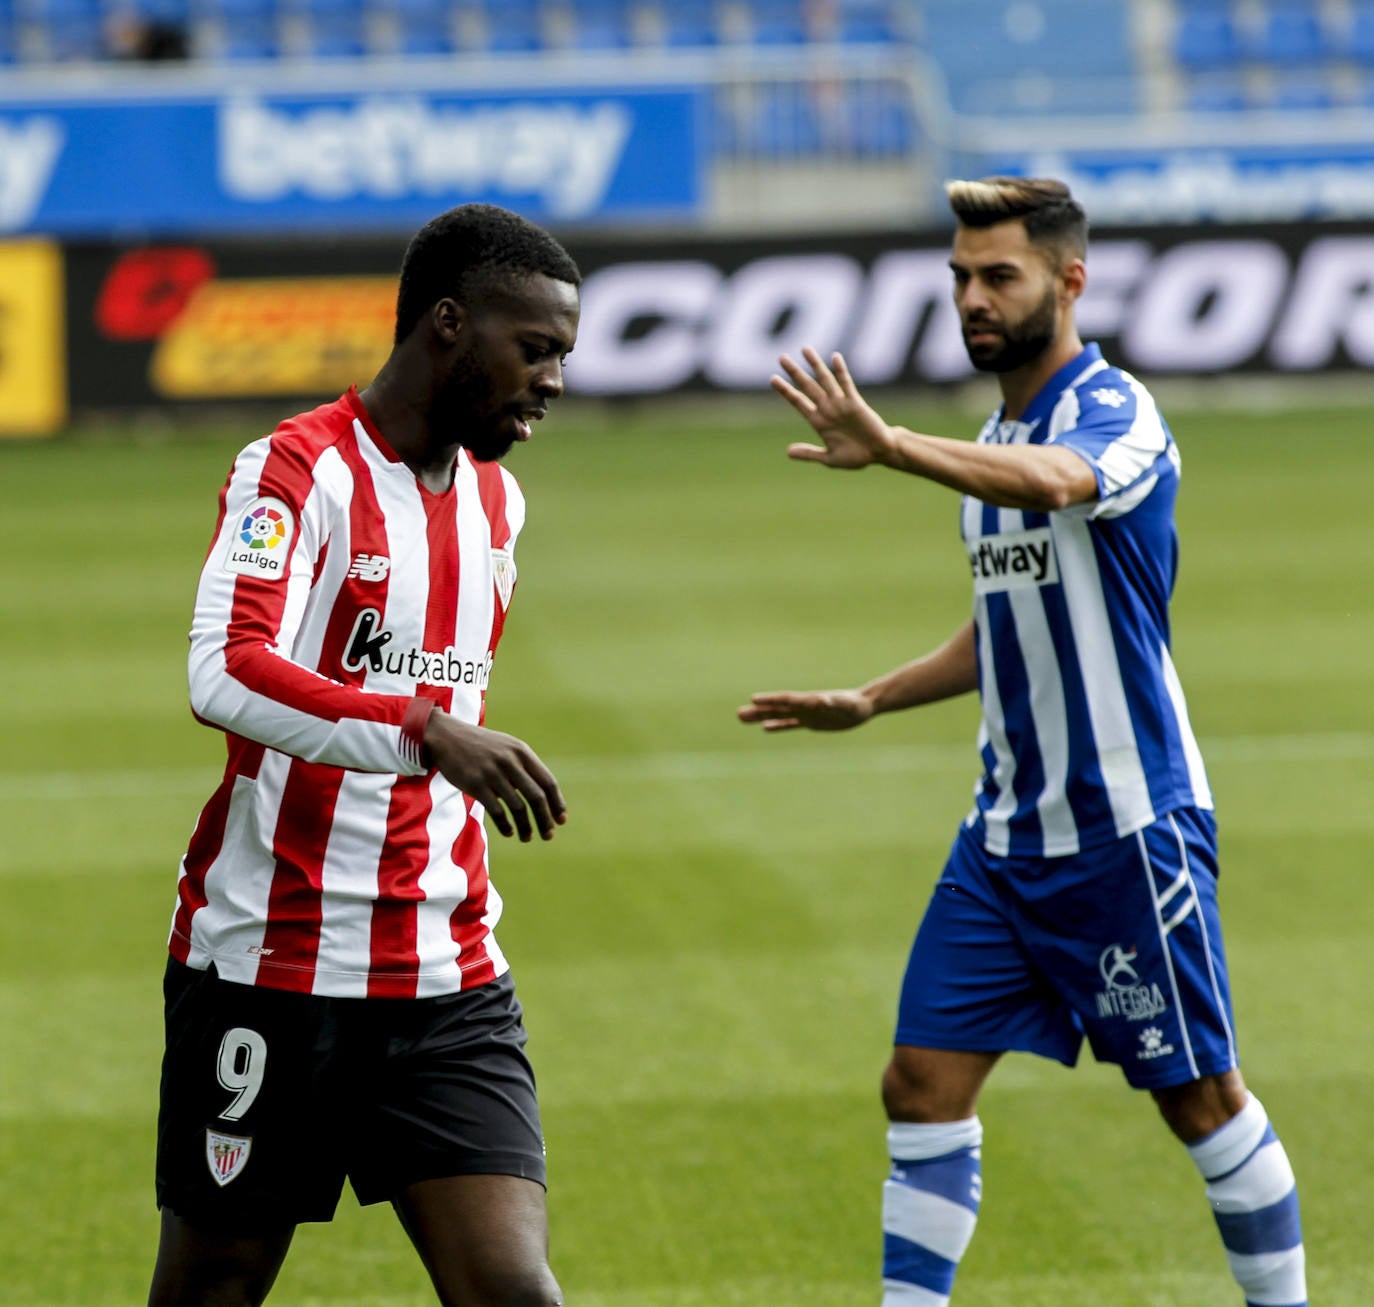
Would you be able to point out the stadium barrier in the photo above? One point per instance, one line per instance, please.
(208, 322)
(33, 356)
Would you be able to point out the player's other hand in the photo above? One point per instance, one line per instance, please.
(817, 710)
(852, 434)
(502, 773)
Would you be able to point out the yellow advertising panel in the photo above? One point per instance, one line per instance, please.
(276, 336)
(33, 366)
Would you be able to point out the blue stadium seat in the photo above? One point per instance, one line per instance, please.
(338, 35)
(881, 122)
(248, 29)
(784, 124)
(601, 25)
(422, 27)
(867, 22)
(1290, 36)
(1080, 52)
(71, 29)
(866, 29)
(75, 39)
(1206, 39)
(777, 22)
(723, 127)
(162, 11)
(1302, 94)
(228, 9)
(513, 26)
(689, 24)
(1216, 94)
(58, 11)
(1359, 41)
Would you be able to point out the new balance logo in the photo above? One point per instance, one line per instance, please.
(369, 567)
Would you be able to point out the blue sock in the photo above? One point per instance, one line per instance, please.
(1255, 1201)
(930, 1206)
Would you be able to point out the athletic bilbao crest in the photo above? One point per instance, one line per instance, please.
(503, 569)
(226, 1154)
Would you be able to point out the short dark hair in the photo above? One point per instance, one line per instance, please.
(469, 252)
(1049, 212)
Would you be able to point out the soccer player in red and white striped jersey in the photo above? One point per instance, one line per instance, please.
(337, 1004)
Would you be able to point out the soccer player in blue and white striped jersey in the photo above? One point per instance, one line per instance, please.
(1080, 895)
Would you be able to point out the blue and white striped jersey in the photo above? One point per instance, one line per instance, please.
(1085, 735)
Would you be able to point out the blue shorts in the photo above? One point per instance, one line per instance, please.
(1121, 942)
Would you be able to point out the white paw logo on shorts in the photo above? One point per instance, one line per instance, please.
(1152, 1044)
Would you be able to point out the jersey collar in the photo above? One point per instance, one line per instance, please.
(1048, 395)
(360, 412)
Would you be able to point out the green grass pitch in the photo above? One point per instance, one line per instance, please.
(709, 952)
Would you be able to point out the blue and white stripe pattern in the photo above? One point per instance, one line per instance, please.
(1085, 735)
(1255, 1201)
(930, 1206)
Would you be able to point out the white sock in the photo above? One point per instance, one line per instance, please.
(1255, 1201)
(930, 1206)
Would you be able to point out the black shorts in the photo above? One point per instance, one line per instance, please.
(270, 1099)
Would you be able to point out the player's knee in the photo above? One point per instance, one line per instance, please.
(1194, 1110)
(909, 1092)
(923, 1086)
(516, 1286)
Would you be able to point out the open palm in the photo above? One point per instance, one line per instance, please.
(852, 434)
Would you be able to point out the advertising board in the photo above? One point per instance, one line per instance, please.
(262, 161)
(33, 383)
(238, 320)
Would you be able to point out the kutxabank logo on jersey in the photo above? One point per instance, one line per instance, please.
(261, 540)
(1126, 995)
(1013, 560)
(369, 651)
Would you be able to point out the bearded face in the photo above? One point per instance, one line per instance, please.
(1005, 344)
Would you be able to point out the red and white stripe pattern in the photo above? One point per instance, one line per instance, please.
(330, 860)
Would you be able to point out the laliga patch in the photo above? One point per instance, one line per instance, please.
(260, 540)
(226, 1155)
(1013, 560)
(503, 571)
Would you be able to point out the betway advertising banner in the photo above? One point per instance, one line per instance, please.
(262, 162)
(209, 322)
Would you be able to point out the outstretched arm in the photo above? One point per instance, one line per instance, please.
(1042, 478)
(950, 670)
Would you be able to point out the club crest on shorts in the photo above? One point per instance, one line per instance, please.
(503, 572)
(226, 1155)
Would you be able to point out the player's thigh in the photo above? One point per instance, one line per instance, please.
(1145, 963)
(970, 984)
(248, 1122)
(197, 1266)
(483, 1238)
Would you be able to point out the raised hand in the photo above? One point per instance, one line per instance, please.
(852, 434)
(816, 710)
(502, 773)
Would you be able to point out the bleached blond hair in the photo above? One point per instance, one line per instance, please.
(1052, 217)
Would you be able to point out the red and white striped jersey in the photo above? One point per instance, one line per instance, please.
(337, 597)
